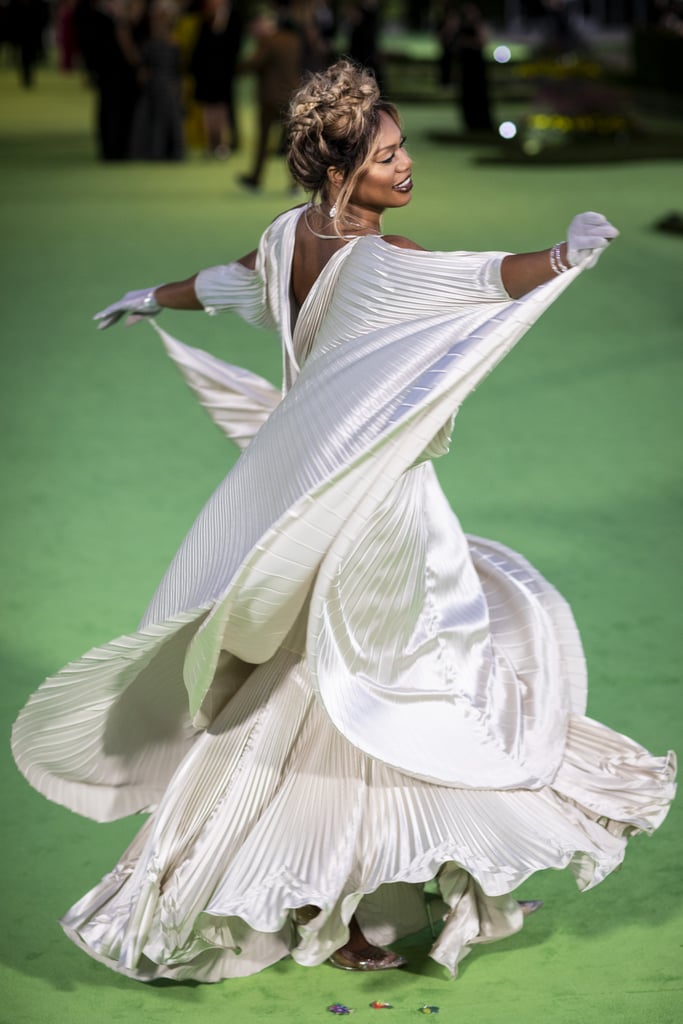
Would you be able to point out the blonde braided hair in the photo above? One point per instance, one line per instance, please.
(333, 121)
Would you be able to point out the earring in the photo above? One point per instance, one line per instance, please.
(333, 211)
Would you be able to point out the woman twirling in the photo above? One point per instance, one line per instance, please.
(335, 695)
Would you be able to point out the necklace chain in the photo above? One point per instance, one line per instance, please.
(338, 235)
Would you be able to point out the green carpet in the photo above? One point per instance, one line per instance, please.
(568, 453)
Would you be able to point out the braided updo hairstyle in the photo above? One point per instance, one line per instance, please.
(333, 121)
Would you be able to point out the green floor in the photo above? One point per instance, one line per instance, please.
(568, 453)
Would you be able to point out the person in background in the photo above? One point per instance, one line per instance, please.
(213, 65)
(27, 21)
(157, 132)
(447, 23)
(277, 64)
(470, 36)
(315, 23)
(186, 34)
(65, 34)
(105, 37)
(364, 20)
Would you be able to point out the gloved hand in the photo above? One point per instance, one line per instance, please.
(587, 235)
(135, 305)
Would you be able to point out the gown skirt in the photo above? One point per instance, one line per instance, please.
(337, 696)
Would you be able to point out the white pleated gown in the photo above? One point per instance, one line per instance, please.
(335, 695)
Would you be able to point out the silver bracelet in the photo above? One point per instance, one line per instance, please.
(557, 264)
(149, 305)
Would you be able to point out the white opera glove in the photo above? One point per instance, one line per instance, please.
(587, 236)
(134, 305)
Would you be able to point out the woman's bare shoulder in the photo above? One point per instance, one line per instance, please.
(403, 243)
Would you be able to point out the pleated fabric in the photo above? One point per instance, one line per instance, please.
(335, 694)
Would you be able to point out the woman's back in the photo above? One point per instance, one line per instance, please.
(312, 251)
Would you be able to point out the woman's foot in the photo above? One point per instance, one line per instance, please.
(304, 915)
(360, 955)
(530, 906)
(371, 958)
(250, 182)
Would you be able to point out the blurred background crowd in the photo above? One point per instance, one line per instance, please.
(163, 72)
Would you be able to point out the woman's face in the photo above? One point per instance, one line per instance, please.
(386, 183)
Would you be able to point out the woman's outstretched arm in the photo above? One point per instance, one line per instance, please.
(150, 301)
(587, 236)
(177, 295)
(524, 271)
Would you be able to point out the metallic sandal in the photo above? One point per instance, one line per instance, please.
(372, 958)
(530, 906)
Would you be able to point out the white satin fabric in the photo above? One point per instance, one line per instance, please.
(335, 695)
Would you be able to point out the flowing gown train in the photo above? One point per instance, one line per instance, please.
(336, 695)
